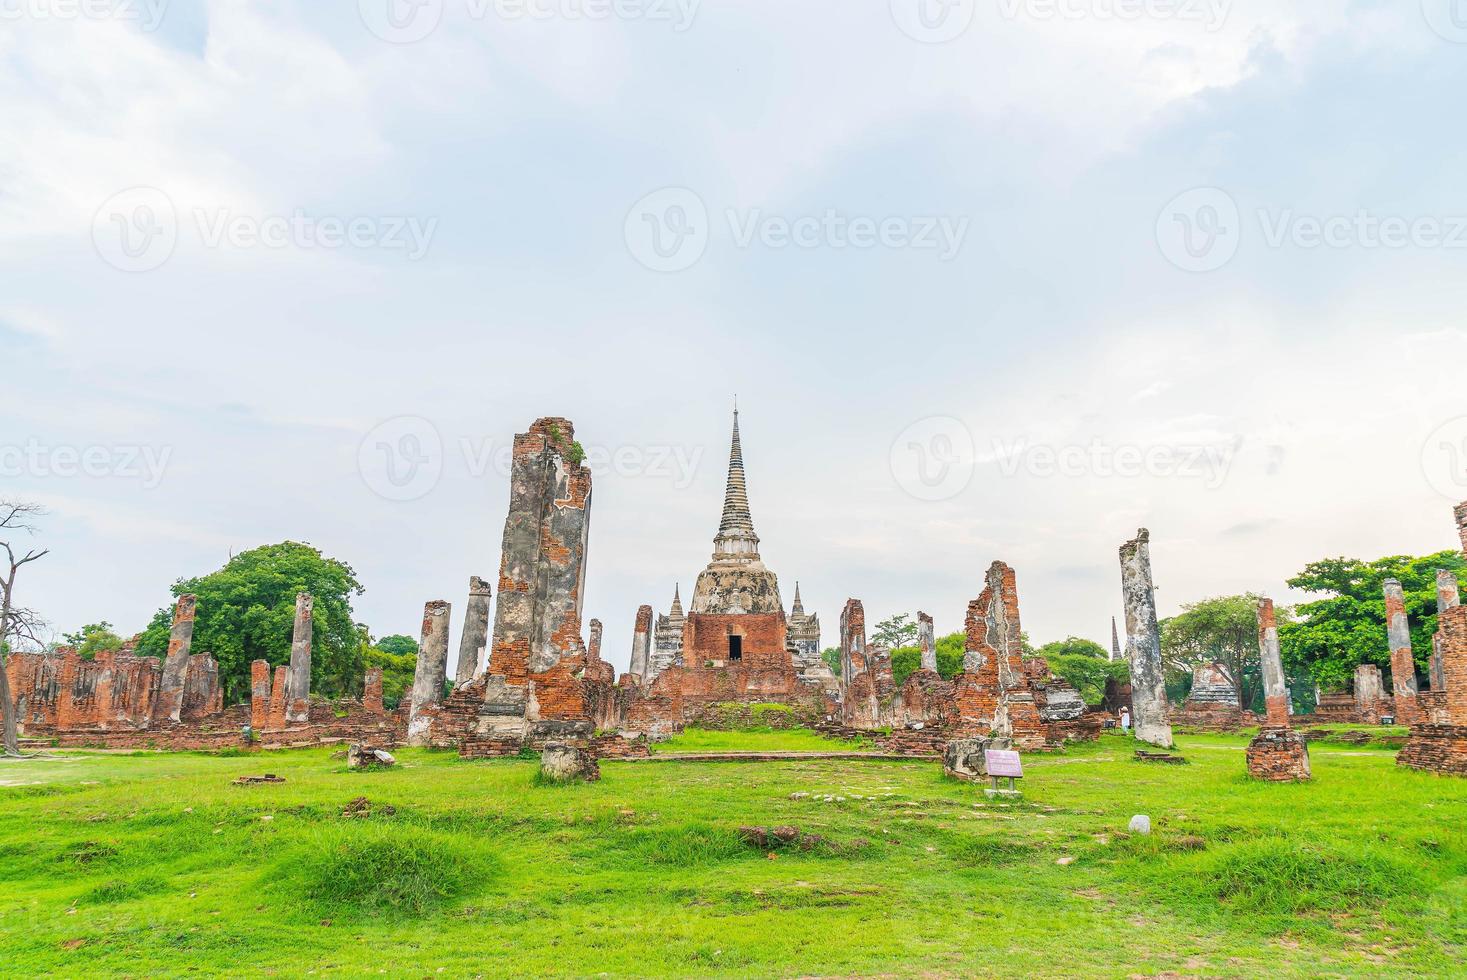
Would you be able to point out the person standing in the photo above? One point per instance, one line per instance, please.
(1126, 720)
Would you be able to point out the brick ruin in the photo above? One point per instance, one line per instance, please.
(1212, 704)
(1438, 739)
(121, 700)
(732, 648)
(1277, 753)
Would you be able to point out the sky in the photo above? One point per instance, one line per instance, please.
(989, 280)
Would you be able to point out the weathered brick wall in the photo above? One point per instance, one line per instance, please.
(202, 695)
(61, 691)
(706, 640)
(1443, 747)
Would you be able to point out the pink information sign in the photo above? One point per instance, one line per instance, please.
(1003, 762)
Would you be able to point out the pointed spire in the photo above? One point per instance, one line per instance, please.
(1115, 641)
(677, 602)
(736, 537)
(799, 607)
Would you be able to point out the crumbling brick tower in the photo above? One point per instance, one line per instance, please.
(1443, 747)
(542, 575)
(993, 694)
(1276, 753)
(542, 569)
(1403, 660)
(1143, 643)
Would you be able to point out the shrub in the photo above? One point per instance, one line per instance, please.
(379, 870)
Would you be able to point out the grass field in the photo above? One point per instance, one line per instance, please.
(155, 865)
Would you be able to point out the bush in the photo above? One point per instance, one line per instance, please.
(1280, 877)
(380, 870)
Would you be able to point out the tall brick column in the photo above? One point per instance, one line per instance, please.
(1143, 643)
(593, 652)
(1276, 753)
(926, 641)
(372, 691)
(1448, 596)
(1403, 661)
(259, 695)
(1275, 689)
(852, 641)
(431, 672)
(175, 664)
(537, 620)
(298, 687)
(476, 632)
(279, 697)
(641, 644)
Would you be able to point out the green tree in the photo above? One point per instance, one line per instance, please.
(399, 645)
(1222, 630)
(831, 656)
(398, 658)
(898, 631)
(92, 639)
(246, 612)
(906, 661)
(1346, 627)
(1073, 646)
(1084, 665)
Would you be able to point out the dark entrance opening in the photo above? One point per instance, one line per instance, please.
(735, 648)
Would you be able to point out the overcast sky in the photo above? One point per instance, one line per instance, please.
(1003, 280)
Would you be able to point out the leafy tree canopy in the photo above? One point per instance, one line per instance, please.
(906, 661)
(398, 644)
(898, 631)
(1073, 646)
(92, 639)
(1221, 630)
(246, 612)
(1346, 626)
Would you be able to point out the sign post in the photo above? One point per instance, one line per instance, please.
(1002, 764)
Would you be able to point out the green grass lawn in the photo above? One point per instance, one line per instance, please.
(759, 740)
(155, 865)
